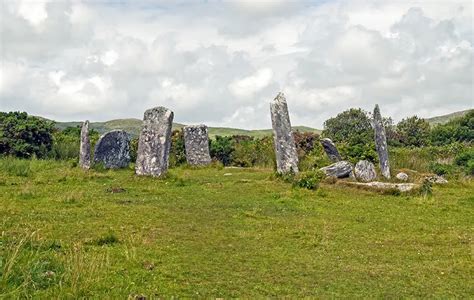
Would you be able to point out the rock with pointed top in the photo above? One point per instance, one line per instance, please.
(365, 171)
(341, 169)
(331, 150)
(196, 143)
(154, 142)
(284, 142)
(85, 148)
(113, 150)
(381, 143)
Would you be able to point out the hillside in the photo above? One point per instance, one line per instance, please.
(133, 126)
(446, 118)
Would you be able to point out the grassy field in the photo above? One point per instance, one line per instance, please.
(212, 232)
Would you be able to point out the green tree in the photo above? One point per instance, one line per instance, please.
(23, 136)
(457, 130)
(414, 132)
(222, 149)
(352, 126)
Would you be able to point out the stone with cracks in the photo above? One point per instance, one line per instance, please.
(402, 176)
(85, 148)
(196, 142)
(284, 142)
(340, 169)
(331, 150)
(365, 171)
(154, 142)
(113, 150)
(376, 185)
(381, 143)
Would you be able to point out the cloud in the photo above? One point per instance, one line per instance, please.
(220, 62)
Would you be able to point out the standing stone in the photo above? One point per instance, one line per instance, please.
(155, 142)
(331, 150)
(196, 143)
(381, 143)
(365, 171)
(85, 148)
(341, 169)
(113, 150)
(285, 148)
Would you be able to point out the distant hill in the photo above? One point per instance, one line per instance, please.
(133, 127)
(446, 118)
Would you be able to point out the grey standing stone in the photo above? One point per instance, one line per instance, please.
(113, 150)
(154, 142)
(365, 171)
(284, 142)
(381, 143)
(196, 143)
(331, 150)
(85, 148)
(340, 169)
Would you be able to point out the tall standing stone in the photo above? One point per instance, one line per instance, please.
(331, 150)
(155, 142)
(196, 143)
(381, 143)
(113, 150)
(85, 148)
(285, 148)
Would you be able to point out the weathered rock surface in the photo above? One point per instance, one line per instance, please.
(402, 176)
(340, 169)
(402, 187)
(196, 142)
(85, 148)
(154, 142)
(331, 150)
(113, 150)
(365, 171)
(381, 143)
(285, 148)
(437, 179)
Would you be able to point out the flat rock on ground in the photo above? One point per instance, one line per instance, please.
(402, 187)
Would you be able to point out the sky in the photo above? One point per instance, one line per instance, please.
(221, 62)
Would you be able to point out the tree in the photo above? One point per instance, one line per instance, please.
(222, 148)
(413, 131)
(457, 130)
(352, 126)
(23, 136)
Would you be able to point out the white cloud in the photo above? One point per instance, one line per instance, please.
(220, 62)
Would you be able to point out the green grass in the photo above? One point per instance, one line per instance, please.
(69, 233)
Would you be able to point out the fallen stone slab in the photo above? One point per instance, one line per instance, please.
(437, 179)
(376, 185)
(341, 169)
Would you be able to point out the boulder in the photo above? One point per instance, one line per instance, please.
(436, 179)
(340, 169)
(284, 142)
(402, 176)
(365, 171)
(331, 150)
(113, 150)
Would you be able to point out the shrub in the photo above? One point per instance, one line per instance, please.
(441, 169)
(352, 126)
(23, 136)
(177, 152)
(309, 180)
(465, 160)
(457, 130)
(222, 149)
(356, 152)
(413, 131)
